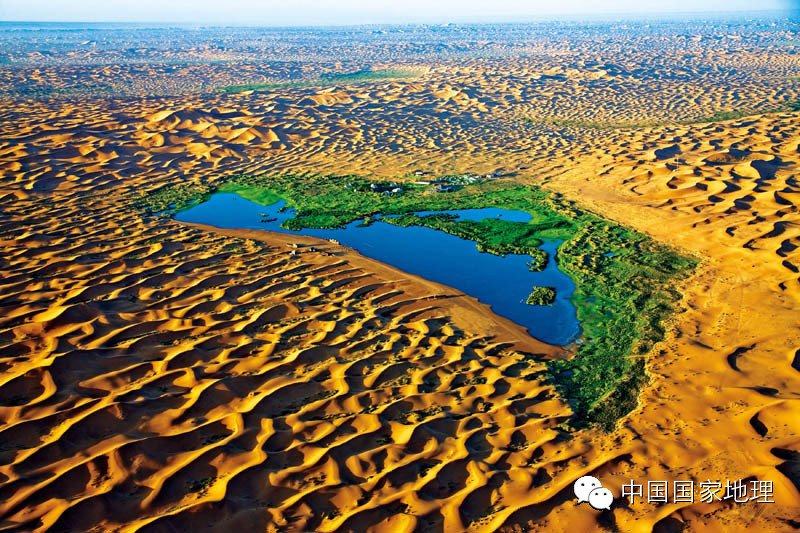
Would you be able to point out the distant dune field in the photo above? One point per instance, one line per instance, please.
(159, 376)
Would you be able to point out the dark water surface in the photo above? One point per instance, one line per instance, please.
(501, 282)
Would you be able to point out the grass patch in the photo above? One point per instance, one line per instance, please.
(254, 194)
(594, 124)
(722, 116)
(331, 78)
(625, 281)
(368, 75)
(234, 89)
(541, 296)
(39, 92)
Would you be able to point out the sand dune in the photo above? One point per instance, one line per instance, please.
(727, 381)
(158, 377)
(154, 385)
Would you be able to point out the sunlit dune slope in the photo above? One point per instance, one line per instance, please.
(160, 377)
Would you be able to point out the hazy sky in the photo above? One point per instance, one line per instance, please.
(300, 12)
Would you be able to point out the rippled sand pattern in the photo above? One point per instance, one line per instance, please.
(725, 394)
(152, 372)
(156, 376)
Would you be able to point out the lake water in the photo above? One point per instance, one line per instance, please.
(501, 282)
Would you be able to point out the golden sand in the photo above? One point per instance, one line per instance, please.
(160, 377)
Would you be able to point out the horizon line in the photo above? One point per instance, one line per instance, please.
(467, 20)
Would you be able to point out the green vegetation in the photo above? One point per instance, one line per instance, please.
(368, 75)
(623, 301)
(254, 194)
(722, 116)
(541, 296)
(499, 237)
(171, 199)
(332, 78)
(335, 201)
(595, 124)
(718, 116)
(40, 92)
(233, 89)
(625, 281)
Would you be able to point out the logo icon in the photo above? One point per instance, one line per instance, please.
(589, 489)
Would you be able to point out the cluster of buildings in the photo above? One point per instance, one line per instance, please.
(444, 184)
(392, 188)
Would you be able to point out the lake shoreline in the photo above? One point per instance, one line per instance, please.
(479, 316)
(501, 281)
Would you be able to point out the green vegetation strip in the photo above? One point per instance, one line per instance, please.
(625, 281)
(328, 79)
(719, 116)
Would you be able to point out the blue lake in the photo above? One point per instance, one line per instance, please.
(504, 283)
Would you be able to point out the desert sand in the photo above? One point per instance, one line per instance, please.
(156, 376)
